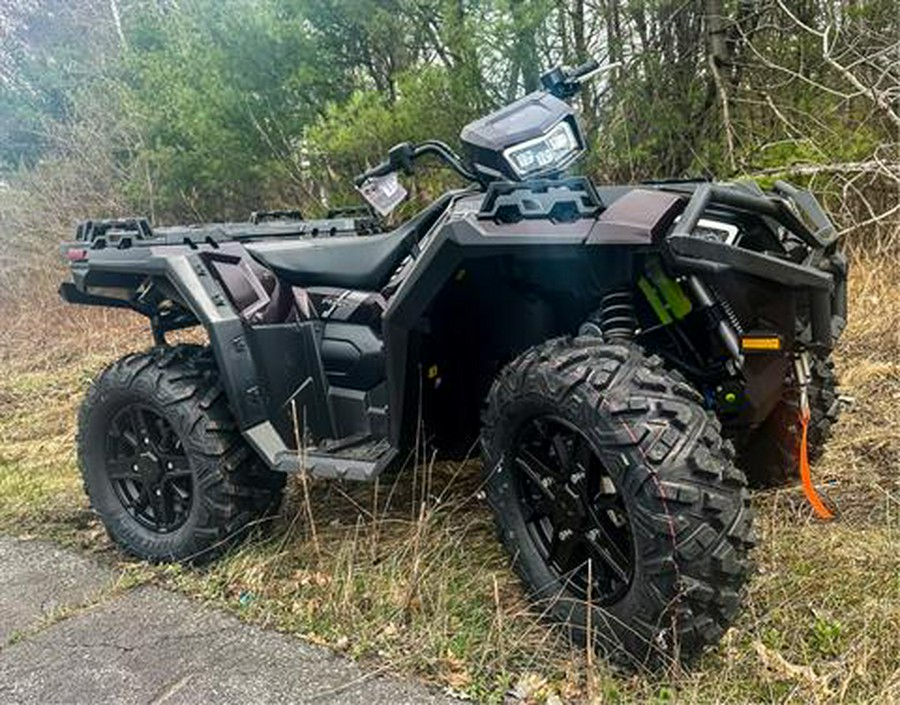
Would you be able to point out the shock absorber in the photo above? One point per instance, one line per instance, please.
(727, 309)
(615, 320)
(724, 327)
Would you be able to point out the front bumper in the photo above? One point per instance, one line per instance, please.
(822, 276)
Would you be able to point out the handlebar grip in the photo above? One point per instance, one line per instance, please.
(382, 169)
(586, 68)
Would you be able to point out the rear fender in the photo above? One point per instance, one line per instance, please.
(269, 370)
(262, 368)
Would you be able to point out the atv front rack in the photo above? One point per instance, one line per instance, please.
(823, 274)
(778, 208)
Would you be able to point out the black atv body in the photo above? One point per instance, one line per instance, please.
(350, 324)
(619, 333)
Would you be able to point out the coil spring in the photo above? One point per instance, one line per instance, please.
(729, 313)
(616, 316)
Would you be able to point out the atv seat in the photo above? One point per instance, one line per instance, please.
(365, 262)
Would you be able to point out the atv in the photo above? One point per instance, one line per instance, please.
(629, 356)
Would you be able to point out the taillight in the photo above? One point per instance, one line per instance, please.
(76, 254)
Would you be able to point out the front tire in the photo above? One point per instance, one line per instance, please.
(163, 463)
(633, 472)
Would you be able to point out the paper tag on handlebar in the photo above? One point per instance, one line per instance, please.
(383, 193)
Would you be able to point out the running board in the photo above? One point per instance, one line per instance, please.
(347, 469)
(361, 459)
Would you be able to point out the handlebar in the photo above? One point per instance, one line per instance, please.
(560, 81)
(402, 156)
(382, 169)
(579, 73)
(565, 83)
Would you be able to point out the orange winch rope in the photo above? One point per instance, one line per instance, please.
(809, 490)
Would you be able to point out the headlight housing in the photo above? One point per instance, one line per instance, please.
(548, 153)
(717, 231)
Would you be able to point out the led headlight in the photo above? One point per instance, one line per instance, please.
(550, 152)
(716, 231)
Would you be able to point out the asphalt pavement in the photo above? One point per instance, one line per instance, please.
(69, 633)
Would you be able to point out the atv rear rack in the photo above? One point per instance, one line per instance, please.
(257, 217)
(136, 232)
(100, 233)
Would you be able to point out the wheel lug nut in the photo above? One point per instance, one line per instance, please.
(134, 467)
(170, 466)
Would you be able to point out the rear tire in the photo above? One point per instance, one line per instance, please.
(163, 463)
(770, 457)
(686, 506)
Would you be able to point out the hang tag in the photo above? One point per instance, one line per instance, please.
(383, 193)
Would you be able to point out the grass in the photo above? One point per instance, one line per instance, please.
(407, 576)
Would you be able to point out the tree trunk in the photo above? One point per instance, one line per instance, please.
(526, 45)
(717, 57)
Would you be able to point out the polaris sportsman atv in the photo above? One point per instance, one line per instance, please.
(611, 346)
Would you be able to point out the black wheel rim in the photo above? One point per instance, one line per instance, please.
(573, 510)
(148, 469)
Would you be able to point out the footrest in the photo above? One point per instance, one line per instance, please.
(361, 461)
(360, 457)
